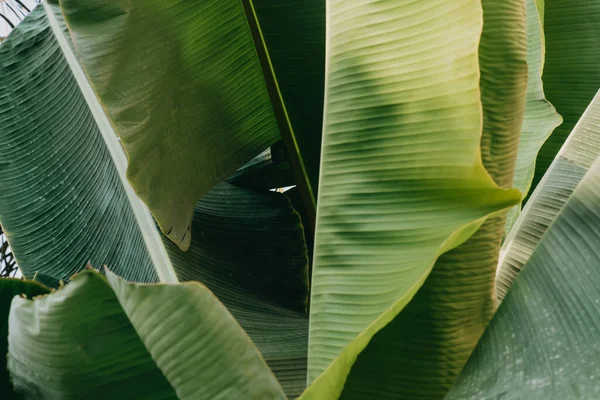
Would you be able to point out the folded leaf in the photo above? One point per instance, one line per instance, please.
(99, 339)
(422, 351)
(9, 288)
(571, 73)
(543, 340)
(402, 179)
(540, 116)
(250, 246)
(189, 89)
(576, 157)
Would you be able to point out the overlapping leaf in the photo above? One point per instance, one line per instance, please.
(190, 90)
(540, 116)
(434, 335)
(9, 288)
(571, 73)
(402, 179)
(249, 250)
(572, 162)
(62, 203)
(71, 208)
(294, 32)
(543, 340)
(158, 341)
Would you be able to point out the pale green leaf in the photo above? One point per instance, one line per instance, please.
(140, 341)
(540, 116)
(420, 353)
(543, 340)
(572, 162)
(402, 179)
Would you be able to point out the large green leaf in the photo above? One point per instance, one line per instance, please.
(543, 340)
(572, 162)
(112, 339)
(428, 343)
(9, 288)
(62, 202)
(571, 72)
(540, 116)
(250, 243)
(402, 179)
(248, 239)
(249, 250)
(189, 109)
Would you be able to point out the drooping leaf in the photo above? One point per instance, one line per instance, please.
(402, 179)
(540, 116)
(9, 288)
(189, 89)
(543, 340)
(249, 250)
(62, 202)
(98, 339)
(571, 74)
(577, 155)
(250, 242)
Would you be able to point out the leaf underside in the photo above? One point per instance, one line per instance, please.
(543, 340)
(571, 164)
(141, 341)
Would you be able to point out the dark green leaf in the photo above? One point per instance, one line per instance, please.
(9, 288)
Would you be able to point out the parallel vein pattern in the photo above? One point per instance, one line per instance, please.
(402, 179)
(540, 116)
(141, 341)
(577, 155)
(249, 249)
(9, 288)
(543, 342)
(183, 87)
(432, 338)
(61, 201)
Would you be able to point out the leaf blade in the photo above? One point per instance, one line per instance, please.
(250, 251)
(572, 162)
(188, 97)
(542, 341)
(570, 76)
(9, 288)
(132, 357)
(62, 201)
(377, 122)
